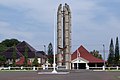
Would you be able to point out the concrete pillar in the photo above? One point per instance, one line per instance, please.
(59, 35)
(66, 37)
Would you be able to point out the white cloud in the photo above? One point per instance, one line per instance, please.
(8, 31)
(92, 21)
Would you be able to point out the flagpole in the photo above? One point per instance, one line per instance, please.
(54, 63)
(77, 59)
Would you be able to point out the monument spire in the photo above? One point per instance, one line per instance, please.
(64, 36)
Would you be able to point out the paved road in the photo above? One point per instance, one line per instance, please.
(74, 75)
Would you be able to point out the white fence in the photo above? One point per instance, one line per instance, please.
(26, 68)
(104, 68)
(21, 68)
(45, 68)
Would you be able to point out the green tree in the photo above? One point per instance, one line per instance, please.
(116, 51)
(14, 55)
(2, 47)
(119, 61)
(35, 62)
(10, 42)
(111, 54)
(2, 60)
(26, 57)
(96, 54)
(50, 53)
(5, 44)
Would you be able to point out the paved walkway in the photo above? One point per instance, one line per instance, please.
(73, 75)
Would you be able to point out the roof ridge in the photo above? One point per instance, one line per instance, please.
(18, 52)
(30, 46)
(88, 52)
(27, 45)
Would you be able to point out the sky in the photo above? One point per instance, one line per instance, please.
(94, 22)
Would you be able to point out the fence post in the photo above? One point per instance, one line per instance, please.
(117, 67)
(21, 67)
(9, 67)
(43, 66)
(34, 68)
(103, 68)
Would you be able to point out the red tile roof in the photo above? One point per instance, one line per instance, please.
(21, 61)
(86, 55)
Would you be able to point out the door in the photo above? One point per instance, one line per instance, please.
(82, 65)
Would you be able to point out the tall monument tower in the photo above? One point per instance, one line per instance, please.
(64, 36)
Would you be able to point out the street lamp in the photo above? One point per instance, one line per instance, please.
(104, 53)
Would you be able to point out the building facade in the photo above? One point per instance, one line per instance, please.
(82, 59)
(20, 51)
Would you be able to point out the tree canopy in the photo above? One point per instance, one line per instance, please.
(2, 60)
(96, 54)
(111, 54)
(35, 62)
(50, 49)
(116, 51)
(26, 57)
(50, 53)
(5, 44)
(14, 56)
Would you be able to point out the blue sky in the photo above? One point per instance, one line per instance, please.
(94, 22)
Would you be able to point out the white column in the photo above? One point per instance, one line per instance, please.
(77, 65)
(87, 66)
(72, 65)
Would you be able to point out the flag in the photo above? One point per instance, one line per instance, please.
(78, 53)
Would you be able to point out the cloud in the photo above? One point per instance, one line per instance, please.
(94, 22)
(10, 32)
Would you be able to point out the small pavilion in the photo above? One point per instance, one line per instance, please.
(82, 59)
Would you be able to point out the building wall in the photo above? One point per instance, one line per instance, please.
(39, 60)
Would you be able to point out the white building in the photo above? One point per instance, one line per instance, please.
(82, 59)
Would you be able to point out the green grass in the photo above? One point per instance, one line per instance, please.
(118, 77)
(17, 70)
(113, 70)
